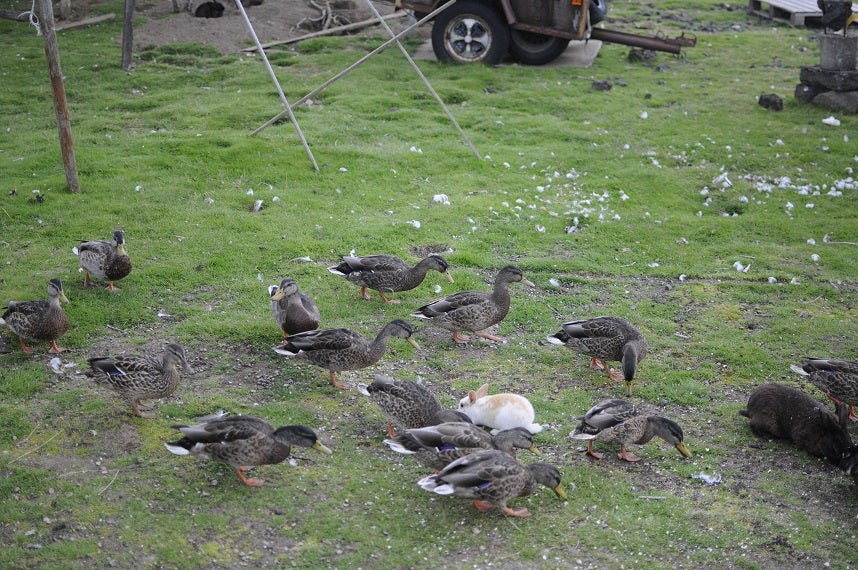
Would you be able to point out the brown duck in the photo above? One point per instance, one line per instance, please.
(243, 442)
(342, 349)
(387, 273)
(39, 320)
(492, 478)
(105, 260)
(604, 339)
(473, 311)
(136, 378)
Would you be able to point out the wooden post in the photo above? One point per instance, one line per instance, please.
(60, 106)
(128, 36)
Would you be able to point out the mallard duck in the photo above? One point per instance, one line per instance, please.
(293, 311)
(492, 478)
(439, 445)
(602, 416)
(837, 378)
(243, 442)
(104, 260)
(39, 320)
(342, 349)
(137, 378)
(473, 310)
(387, 273)
(638, 430)
(407, 404)
(603, 339)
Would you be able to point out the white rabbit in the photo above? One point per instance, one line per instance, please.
(500, 411)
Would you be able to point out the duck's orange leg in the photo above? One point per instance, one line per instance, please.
(386, 300)
(336, 383)
(390, 431)
(591, 452)
(249, 481)
(852, 415)
(24, 346)
(630, 457)
(459, 338)
(522, 512)
(483, 506)
(112, 287)
(364, 294)
(136, 408)
(55, 349)
(490, 337)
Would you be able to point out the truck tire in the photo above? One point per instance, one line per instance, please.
(531, 48)
(470, 32)
(598, 10)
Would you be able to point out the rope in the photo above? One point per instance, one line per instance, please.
(32, 18)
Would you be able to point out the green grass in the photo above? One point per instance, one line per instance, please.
(165, 154)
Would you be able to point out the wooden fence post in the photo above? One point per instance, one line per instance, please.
(60, 105)
(128, 36)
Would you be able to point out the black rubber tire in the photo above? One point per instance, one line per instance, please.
(531, 48)
(470, 32)
(598, 10)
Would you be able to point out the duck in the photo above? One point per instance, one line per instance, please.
(837, 378)
(340, 349)
(136, 378)
(473, 310)
(604, 339)
(605, 414)
(387, 273)
(491, 478)
(407, 404)
(39, 320)
(439, 445)
(639, 430)
(105, 260)
(242, 442)
(293, 311)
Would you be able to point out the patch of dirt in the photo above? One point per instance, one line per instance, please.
(272, 20)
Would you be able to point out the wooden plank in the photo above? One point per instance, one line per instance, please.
(84, 22)
(332, 31)
(796, 12)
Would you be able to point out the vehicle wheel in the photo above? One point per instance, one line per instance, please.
(470, 32)
(597, 12)
(531, 48)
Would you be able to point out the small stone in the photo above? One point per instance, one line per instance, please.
(771, 101)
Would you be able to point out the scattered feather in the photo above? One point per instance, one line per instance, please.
(713, 479)
(831, 121)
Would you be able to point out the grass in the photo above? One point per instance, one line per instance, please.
(164, 154)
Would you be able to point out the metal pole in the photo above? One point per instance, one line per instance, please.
(424, 80)
(350, 68)
(276, 83)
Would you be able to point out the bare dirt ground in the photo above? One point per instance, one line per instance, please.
(273, 20)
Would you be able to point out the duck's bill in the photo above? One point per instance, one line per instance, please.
(319, 446)
(682, 449)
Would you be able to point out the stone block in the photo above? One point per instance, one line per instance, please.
(829, 79)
